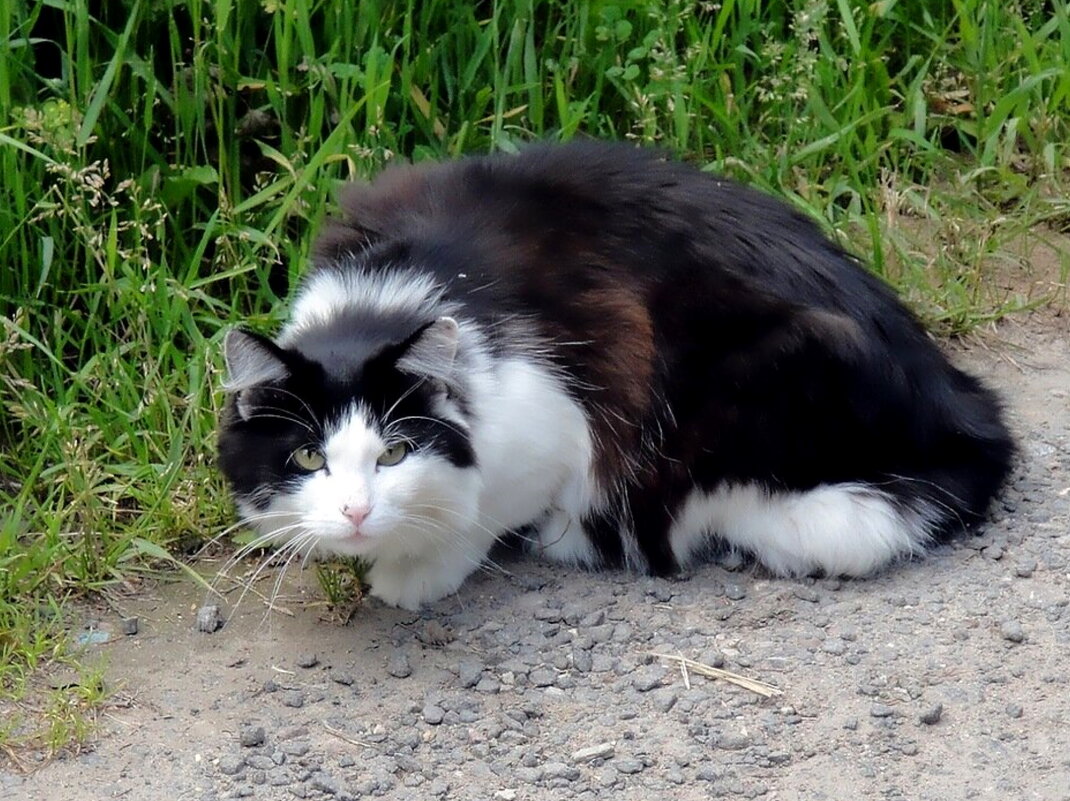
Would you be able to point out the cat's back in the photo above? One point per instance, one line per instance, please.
(585, 214)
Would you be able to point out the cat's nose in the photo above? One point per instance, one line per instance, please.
(356, 512)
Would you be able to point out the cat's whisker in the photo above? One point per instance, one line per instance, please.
(282, 553)
(311, 413)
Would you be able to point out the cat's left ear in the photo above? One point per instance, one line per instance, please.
(433, 351)
(251, 360)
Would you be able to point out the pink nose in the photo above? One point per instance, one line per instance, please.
(356, 512)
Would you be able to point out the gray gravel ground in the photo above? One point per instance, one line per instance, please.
(945, 678)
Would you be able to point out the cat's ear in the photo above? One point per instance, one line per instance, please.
(251, 360)
(433, 351)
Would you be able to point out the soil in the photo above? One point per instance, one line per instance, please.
(943, 678)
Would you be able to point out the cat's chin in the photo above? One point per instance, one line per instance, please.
(351, 545)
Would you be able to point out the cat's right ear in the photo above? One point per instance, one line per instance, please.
(252, 360)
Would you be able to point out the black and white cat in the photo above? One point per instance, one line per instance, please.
(631, 360)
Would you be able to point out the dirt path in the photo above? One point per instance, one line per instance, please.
(947, 678)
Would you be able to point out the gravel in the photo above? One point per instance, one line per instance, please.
(941, 678)
(931, 715)
(251, 736)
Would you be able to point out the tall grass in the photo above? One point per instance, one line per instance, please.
(163, 163)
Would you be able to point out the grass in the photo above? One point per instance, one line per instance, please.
(164, 163)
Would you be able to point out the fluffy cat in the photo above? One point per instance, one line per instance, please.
(629, 360)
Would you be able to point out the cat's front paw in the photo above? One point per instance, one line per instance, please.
(410, 586)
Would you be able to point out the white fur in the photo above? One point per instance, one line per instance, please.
(430, 523)
(841, 529)
(417, 530)
(326, 293)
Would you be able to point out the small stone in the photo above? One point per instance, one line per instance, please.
(1012, 631)
(931, 715)
(260, 761)
(341, 677)
(649, 679)
(1014, 710)
(628, 765)
(582, 661)
(542, 677)
(230, 765)
(851, 724)
(559, 770)
(834, 646)
(735, 592)
(307, 660)
(993, 552)
(130, 626)
(325, 783)
(398, 665)
(295, 699)
(252, 736)
(805, 593)
(1025, 569)
(593, 752)
(733, 742)
(433, 714)
(469, 673)
(294, 749)
(209, 619)
(488, 685)
(435, 634)
(881, 711)
(507, 794)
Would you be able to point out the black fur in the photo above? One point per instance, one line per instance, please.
(711, 333)
(718, 335)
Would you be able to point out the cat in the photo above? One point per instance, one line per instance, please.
(631, 361)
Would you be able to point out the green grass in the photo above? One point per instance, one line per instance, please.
(164, 163)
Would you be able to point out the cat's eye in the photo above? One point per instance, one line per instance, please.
(393, 454)
(310, 459)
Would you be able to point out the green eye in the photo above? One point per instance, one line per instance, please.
(309, 459)
(394, 454)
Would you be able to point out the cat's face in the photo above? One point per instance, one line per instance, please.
(357, 452)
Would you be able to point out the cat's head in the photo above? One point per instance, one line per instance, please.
(351, 436)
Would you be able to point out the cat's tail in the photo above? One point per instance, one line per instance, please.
(855, 528)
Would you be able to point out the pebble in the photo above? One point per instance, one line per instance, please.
(469, 673)
(1025, 569)
(398, 665)
(230, 765)
(209, 619)
(325, 783)
(433, 714)
(1012, 631)
(130, 626)
(834, 646)
(648, 679)
(733, 742)
(542, 677)
(251, 736)
(295, 699)
(881, 711)
(993, 552)
(1014, 710)
(307, 660)
(628, 765)
(593, 752)
(260, 761)
(735, 592)
(931, 715)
